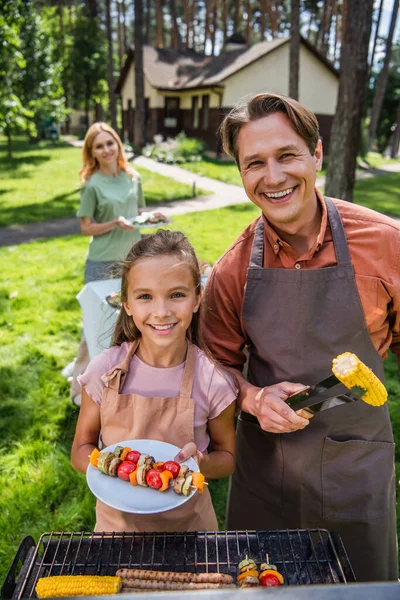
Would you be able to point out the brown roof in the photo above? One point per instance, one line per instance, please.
(168, 69)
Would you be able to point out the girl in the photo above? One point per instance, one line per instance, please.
(159, 382)
(111, 192)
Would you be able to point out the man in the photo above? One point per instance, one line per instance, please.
(311, 278)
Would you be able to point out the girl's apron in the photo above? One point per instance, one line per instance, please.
(337, 473)
(132, 416)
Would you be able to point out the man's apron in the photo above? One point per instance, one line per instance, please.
(337, 473)
(132, 416)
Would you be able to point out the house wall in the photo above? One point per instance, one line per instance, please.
(318, 86)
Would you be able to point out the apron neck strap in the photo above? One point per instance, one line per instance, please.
(257, 250)
(339, 238)
(338, 235)
(188, 373)
(115, 377)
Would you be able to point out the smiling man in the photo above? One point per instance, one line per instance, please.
(311, 278)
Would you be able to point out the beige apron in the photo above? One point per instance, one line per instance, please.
(132, 416)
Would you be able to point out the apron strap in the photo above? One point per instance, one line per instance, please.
(257, 250)
(339, 237)
(189, 371)
(114, 378)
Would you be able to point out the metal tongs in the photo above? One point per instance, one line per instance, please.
(311, 401)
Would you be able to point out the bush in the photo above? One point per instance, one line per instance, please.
(175, 150)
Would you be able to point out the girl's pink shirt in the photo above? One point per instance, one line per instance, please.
(212, 391)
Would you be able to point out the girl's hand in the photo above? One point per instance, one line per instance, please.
(189, 450)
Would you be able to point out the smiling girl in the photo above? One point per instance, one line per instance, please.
(158, 381)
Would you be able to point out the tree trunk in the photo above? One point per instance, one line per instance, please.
(382, 79)
(124, 27)
(139, 78)
(346, 125)
(378, 22)
(335, 15)
(236, 18)
(224, 21)
(326, 27)
(206, 23)
(188, 13)
(263, 10)
(294, 50)
(214, 26)
(175, 34)
(119, 35)
(394, 146)
(111, 96)
(159, 24)
(273, 21)
(248, 21)
(146, 32)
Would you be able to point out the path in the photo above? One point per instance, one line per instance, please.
(223, 194)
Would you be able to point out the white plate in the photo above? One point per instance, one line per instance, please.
(121, 495)
(145, 216)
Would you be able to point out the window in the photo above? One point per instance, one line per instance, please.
(205, 111)
(195, 112)
(171, 112)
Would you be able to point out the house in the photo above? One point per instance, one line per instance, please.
(185, 91)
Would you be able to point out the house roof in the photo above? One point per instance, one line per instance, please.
(168, 69)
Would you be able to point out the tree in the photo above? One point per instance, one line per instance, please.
(110, 70)
(378, 22)
(87, 61)
(382, 79)
(294, 50)
(14, 116)
(139, 126)
(346, 125)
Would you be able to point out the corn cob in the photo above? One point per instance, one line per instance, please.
(60, 586)
(356, 376)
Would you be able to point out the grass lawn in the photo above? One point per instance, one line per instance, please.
(41, 182)
(40, 324)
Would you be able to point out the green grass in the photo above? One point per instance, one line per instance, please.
(380, 193)
(376, 160)
(41, 182)
(40, 323)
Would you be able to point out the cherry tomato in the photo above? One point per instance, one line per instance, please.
(133, 456)
(173, 467)
(125, 469)
(269, 581)
(153, 479)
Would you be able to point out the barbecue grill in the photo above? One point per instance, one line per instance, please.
(302, 556)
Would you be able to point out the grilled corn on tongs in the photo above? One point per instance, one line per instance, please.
(347, 369)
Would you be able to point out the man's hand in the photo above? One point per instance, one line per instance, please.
(269, 406)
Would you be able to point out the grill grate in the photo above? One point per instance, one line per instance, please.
(311, 556)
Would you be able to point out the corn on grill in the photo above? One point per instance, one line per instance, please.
(302, 556)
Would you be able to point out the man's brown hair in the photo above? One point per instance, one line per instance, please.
(303, 120)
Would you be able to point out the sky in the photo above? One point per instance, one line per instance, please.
(385, 20)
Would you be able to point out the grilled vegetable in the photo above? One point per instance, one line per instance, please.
(153, 479)
(125, 469)
(187, 485)
(104, 461)
(94, 457)
(183, 471)
(141, 474)
(248, 573)
(133, 456)
(270, 576)
(172, 466)
(151, 584)
(356, 375)
(178, 484)
(133, 477)
(166, 476)
(60, 586)
(118, 450)
(124, 453)
(198, 481)
(113, 467)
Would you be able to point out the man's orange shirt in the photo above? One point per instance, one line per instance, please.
(374, 244)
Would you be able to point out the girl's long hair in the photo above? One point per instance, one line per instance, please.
(90, 164)
(162, 243)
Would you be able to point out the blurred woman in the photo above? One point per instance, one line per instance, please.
(111, 195)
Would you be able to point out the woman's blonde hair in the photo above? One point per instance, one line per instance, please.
(90, 164)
